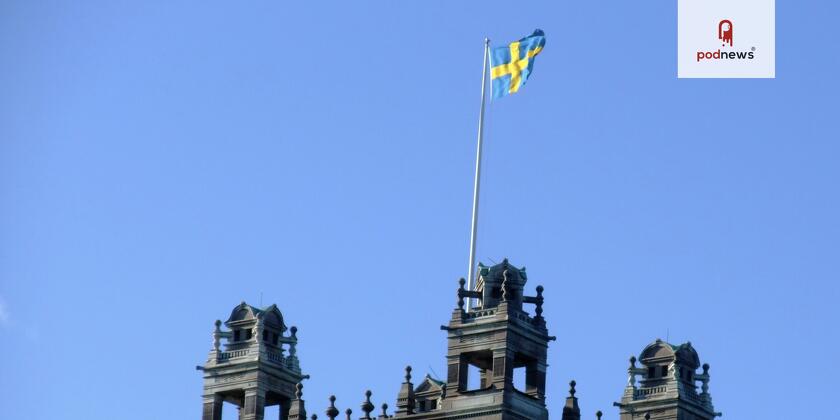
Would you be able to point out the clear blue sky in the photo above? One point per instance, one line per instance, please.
(160, 161)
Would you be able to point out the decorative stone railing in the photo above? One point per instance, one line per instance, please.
(644, 392)
(275, 357)
(480, 313)
(692, 395)
(227, 355)
(522, 316)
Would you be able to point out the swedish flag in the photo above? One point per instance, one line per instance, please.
(511, 65)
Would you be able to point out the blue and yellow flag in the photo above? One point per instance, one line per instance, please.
(511, 65)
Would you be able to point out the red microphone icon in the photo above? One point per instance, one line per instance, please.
(725, 31)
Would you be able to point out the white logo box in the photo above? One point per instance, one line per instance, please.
(753, 31)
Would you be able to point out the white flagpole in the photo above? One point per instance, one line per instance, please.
(471, 271)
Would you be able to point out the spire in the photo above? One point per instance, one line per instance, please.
(405, 399)
(571, 411)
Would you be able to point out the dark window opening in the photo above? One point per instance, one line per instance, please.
(652, 372)
(274, 339)
(248, 334)
(235, 335)
(422, 405)
(496, 293)
(265, 335)
(664, 371)
(432, 404)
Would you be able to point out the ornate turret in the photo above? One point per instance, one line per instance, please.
(252, 371)
(496, 336)
(668, 386)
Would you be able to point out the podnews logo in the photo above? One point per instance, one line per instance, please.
(725, 34)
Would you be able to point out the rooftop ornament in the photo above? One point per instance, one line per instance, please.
(332, 412)
(367, 406)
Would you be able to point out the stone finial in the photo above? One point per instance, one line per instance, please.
(598, 414)
(631, 373)
(292, 361)
(505, 292)
(571, 410)
(217, 335)
(348, 412)
(367, 406)
(384, 410)
(461, 293)
(314, 417)
(332, 411)
(297, 408)
(540, 300)
(405, 398)
(704, 388)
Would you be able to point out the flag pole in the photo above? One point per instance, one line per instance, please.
(471, 271)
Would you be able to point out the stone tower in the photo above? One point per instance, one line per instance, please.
(668, 389)
(253, 371)
(495, 337)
